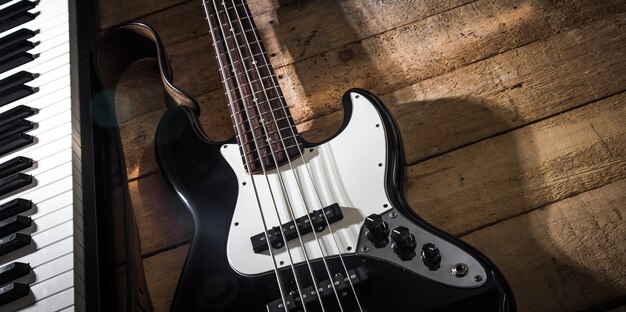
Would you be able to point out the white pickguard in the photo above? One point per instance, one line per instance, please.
(348, 170)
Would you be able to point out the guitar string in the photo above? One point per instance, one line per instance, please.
(255, 140)
(271, 192)
(285, 150)
(256, 194)
(310, 176)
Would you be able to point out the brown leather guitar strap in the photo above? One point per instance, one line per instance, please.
(119, 48)
(129, 43)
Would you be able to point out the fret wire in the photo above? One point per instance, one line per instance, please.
(285, 118)
(261, 81)
(255, 159)
(289, 147)
(271, 133)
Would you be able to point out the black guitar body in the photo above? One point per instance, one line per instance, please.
(205, 182)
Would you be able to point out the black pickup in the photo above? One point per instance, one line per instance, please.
(358, 278)
(318, 222)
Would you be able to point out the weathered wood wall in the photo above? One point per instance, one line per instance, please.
(512, 113)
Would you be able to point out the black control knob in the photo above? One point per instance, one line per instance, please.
(431, 256)
(377, 230)
(403, 243)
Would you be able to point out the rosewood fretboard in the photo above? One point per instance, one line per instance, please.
(263, 125)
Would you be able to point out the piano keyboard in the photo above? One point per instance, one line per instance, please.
(41, 234)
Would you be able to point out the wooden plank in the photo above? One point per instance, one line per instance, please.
(460, 107)
(162, 273)
(308, 28)
(162, 219)
(428, 48)
(170, 12)
(503, 92)
(524, 169)
(558, 258)
(511, 89)
(189, 18)
(563, 257)
(115, 12)
(398, 58)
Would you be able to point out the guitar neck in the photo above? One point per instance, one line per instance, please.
(263, 125)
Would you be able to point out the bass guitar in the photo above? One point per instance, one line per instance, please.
(282, 224)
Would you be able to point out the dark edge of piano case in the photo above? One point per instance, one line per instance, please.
(96, 165)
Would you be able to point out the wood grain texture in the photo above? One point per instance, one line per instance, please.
(524, 169)
(512, 114)
(563, 256)
(525, 84)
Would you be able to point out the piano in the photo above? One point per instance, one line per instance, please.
(51, 254)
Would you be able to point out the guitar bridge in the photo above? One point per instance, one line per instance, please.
(325, 289)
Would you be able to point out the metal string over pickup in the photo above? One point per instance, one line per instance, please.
(325, 289)
(318, 222)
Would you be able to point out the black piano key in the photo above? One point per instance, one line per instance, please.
(13, 242)
(17, 14)
(14, 142)
(14, 182)
(16, 60)
(16, 9)
(12, 291)
(16, 79)
(4, 2)
(17, 20)
(15, 126)
(17, 36)
(14, 207)
(16, 113)
(12, 271)
(17, 48)
(13, 224)
(16, 93)
(14, 165)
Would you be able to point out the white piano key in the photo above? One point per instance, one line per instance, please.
(48, 181)
(54, 122)
(43, 254)
(57, 302)
(43, 139)
(51, 204)
(52, 148)
(49, 39)
(46, 49)
(56, 294)
(52, 235)
(50, 269)
(47, 163)
(60, 50)
(51, 111)
(53, 219)
(69, 309)
(49, 93)
(48, 10)
(55, 69)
